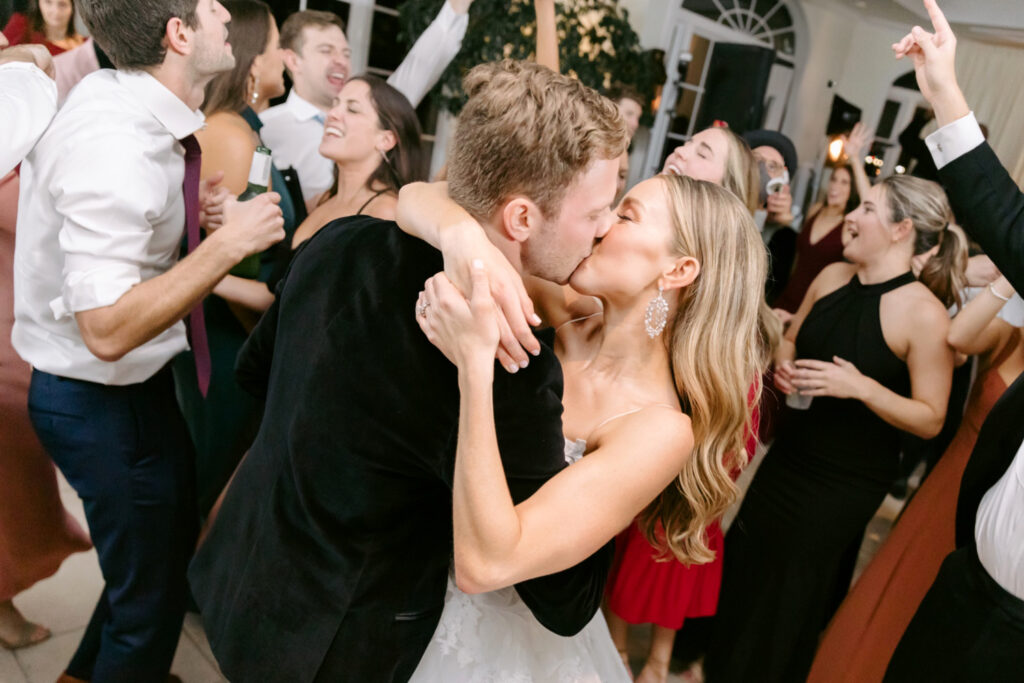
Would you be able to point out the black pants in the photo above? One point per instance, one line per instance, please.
(967, 629)
(126, 452)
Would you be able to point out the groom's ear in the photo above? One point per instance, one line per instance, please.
(519, 218)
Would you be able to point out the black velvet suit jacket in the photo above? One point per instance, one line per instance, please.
(329, 557)
(984, 197)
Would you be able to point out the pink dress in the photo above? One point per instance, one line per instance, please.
(36, 532)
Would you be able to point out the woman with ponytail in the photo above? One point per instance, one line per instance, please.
(658, 337)
(864, 357)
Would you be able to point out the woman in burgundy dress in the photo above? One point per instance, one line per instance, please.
(820, 242)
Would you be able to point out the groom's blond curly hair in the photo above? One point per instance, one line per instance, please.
(529, 131)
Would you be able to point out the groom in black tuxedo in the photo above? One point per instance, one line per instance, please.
(329, 557)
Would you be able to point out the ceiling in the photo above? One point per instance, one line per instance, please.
(994, 21)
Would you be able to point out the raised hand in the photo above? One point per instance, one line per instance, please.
(780, 206)
(856, 143)
(934, 56)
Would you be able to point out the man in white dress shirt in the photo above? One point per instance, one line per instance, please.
(970, 625)
(99, 299)
(316, 54)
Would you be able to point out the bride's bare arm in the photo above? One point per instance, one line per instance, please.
(498, 543)
(425, 211)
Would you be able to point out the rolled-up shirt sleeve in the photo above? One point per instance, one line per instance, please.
(430, 55)
(105, 242)
(28, 101)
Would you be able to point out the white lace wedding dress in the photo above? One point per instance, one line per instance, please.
(494, 638)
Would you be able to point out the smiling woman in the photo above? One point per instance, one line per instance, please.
(867, 351)
(373, 137)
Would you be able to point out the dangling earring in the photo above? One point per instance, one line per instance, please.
(255, 89)
(384, 156)
(656, 316)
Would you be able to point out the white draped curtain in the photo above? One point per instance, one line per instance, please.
(992, 78)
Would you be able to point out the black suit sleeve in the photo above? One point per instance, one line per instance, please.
(530, 438)
(985, 198)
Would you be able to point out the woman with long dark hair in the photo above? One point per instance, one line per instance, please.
(373, 137)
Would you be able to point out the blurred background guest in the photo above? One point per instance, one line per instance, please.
(317, 56)
(372, 136)
(47, 22)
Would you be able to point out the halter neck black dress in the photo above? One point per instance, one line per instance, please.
(790, 553)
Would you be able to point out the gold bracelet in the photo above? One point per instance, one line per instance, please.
(992, 288)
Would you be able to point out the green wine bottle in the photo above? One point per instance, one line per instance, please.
(259, 181)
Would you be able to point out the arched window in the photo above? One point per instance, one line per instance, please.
(767, 21)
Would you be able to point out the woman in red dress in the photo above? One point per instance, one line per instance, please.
(644, 588)
(863, 634)
(47, 22)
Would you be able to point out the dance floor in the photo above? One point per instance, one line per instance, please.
(65, 601)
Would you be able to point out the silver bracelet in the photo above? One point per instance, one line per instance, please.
(992, 288)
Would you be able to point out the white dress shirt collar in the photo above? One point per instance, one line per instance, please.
(301, 108)
(172, 113)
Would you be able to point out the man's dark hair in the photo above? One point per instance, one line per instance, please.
(131, 32)
(621, 91)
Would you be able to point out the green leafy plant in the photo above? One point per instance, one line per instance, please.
(596, 44)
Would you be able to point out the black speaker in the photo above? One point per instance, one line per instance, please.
(843, 117)
(735, 86)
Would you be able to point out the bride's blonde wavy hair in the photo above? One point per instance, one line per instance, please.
(718, 348)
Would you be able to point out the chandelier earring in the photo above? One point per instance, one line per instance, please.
(656, 316)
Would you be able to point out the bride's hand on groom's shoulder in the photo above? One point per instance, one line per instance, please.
(515, 311)
(466, 331)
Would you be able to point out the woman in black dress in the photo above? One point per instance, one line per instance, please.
(867, 349)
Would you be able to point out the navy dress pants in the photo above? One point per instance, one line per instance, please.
(126, 452)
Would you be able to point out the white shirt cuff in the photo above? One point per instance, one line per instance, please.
(954, 140)
(98, 287)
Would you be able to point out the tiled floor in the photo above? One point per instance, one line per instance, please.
(65, 601)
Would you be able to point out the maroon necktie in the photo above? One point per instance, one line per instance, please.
(195, 323)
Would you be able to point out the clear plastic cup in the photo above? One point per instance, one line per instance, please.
(798, 401)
